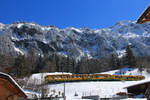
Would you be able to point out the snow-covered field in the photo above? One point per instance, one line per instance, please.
(135, 99)
(101, 88)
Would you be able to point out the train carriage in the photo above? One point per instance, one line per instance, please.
(91, 77)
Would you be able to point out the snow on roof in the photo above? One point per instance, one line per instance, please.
(138, 83)
(14, 82)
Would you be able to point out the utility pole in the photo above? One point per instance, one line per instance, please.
(64, 91)
(64, 96)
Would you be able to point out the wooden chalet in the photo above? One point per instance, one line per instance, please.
(9, 89)
(145, 16)
(143, 88)
(138, 89)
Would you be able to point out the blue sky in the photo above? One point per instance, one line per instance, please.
(76, 13)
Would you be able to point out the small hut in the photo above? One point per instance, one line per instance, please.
(9, 89)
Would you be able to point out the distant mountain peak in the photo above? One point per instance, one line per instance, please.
(21, 37)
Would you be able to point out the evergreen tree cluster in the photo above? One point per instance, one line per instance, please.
(25, 65)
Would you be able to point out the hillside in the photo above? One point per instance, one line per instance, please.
(103, 89)
(22, 38)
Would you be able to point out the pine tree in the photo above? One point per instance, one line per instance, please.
(39, 65)
(21, 66)
(129, 57)
(114, 61)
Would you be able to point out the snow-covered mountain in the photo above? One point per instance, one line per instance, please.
(22, 37)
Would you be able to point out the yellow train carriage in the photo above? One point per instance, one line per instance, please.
(91, 77)
(128, 77)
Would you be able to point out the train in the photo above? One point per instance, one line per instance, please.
(90, 77)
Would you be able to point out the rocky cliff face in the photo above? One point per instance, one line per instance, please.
(21, 38)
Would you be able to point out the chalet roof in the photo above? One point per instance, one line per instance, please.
(145, 16)
(10, 83)
(140, 83)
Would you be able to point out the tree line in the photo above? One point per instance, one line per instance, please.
(25, 65)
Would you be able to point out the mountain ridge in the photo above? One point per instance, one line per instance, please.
(21, 38)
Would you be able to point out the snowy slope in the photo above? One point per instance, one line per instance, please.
(39, 78)
(135, 99)
(129, 71)
(20, 37)
(103, 89)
